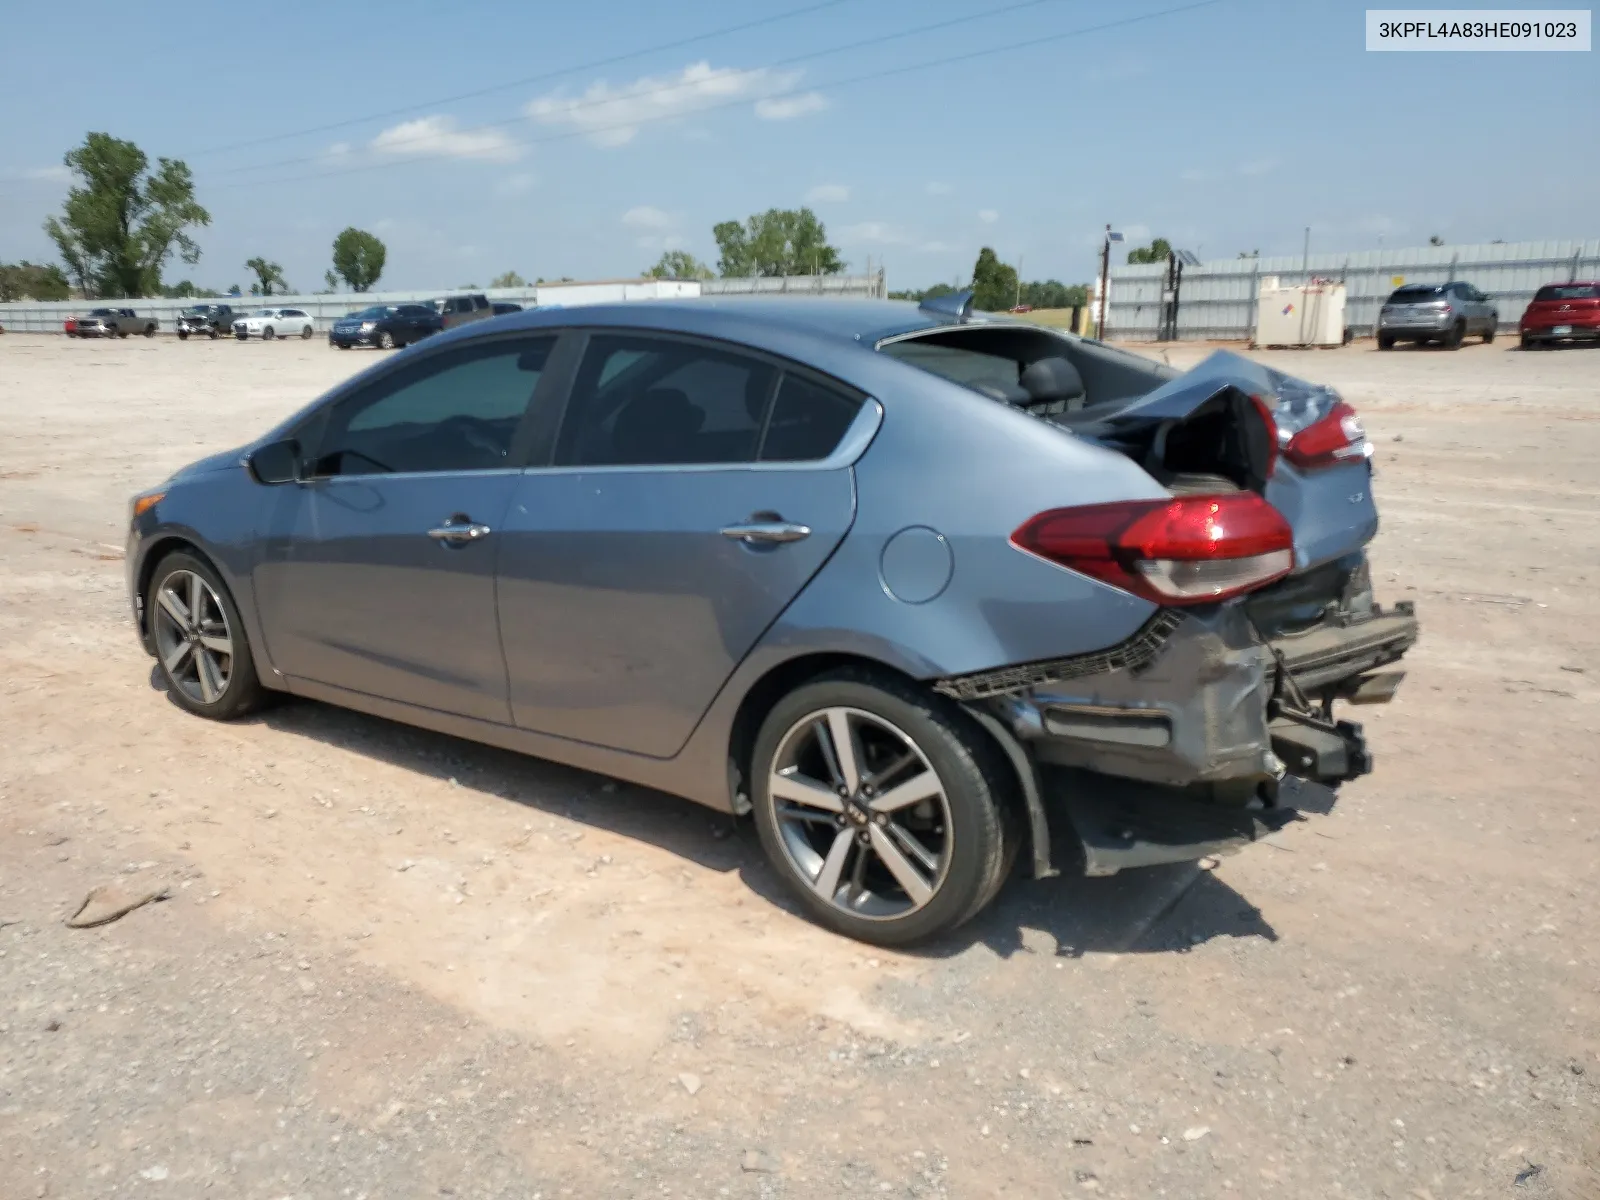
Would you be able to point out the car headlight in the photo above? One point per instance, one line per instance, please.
(368, 325)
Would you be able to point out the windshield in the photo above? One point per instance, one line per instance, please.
(1417, 295)
(1569, 291)
(265, 312)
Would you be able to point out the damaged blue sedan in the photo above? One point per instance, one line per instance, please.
(912, 587)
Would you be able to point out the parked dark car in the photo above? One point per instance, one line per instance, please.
(212, 320)
(1436, 312)
(458, 310)
(386, 326)
(885, 577)
(1562, 312)
(502, 307)
(115, 322)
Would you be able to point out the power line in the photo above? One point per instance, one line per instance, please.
(811, 55)
(949, 60)
(725, 31)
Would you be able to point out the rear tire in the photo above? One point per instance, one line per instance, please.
(150, 331)
(183, 335)
(305, 333)
(1488, 335)
(267, 334)
(1456, 336)
(937, 850)
(1385, 342)
(202, 652)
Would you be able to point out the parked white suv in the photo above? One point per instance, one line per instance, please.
(269, 323)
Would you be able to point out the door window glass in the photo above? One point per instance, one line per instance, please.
(807, 421)
(452, 412)
(655, 401)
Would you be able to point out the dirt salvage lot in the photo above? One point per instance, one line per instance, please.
(394, 964)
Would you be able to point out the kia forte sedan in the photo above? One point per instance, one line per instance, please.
(912, 587)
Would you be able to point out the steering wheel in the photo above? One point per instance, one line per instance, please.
(477, 433)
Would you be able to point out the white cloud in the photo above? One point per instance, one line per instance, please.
(874, 231)
(611, 116)
(56, 174)
(828, 193)
(338, 150)
(934, 247)
(1196, 175)
(787, 108)
(988, 216)
(663, 241)
(645, 217)
(516, 185)
(939, 189)
(438, 136)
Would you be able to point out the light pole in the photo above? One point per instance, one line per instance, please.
(1105, 280)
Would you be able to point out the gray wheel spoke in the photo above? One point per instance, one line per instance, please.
(797, 789)
(174, 608)
(924, 786)
(910, 843)
(205, 669)
(197, 600)
(218, 643)
(901, 867)
(827, 880)
(846, 753)
(175, 657)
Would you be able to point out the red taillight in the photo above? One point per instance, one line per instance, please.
(1336, 438)
(1187, 550)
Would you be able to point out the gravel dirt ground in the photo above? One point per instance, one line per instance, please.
(393, 964)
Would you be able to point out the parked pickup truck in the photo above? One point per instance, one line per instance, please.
(115, 322)
(213, 320)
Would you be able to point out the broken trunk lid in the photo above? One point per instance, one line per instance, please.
(1205, 422)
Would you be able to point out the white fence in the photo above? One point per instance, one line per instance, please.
(1217, 300)
(47, 316)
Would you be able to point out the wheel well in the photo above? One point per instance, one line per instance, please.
(147, 570)
(787, 676)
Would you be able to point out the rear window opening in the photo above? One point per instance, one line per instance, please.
(1568, 291)
(1029, 368)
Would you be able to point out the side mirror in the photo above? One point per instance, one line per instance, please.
(276, 462)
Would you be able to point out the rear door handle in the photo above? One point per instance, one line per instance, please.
(753, 533)
(459, 531)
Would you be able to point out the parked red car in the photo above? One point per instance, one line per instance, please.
(1562, 312)
(70, 326)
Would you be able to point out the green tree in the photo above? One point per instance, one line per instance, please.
(31, 281)
(1155, 252)
(1052, 293)
(1435, 240)
(358, 257)
(122, 221)
(331, 281)
(780, 241)
(994, 283)
(679, 264)
(268, 276)
(186, 289)
(509, 280)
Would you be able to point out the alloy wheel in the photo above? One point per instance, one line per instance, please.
(193, 640)
(862, 815)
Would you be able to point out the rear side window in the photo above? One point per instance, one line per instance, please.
(479, 302)
(658, 401)
(807, 422)
(1568, 291)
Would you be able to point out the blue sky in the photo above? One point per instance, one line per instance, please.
(1227, 127)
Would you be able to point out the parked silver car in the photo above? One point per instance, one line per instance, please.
(1436, 312)
(115, 322)
(911, 586)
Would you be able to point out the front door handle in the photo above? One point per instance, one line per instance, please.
(756, 533)
(459, 531)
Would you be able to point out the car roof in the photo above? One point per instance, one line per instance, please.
(843, 321)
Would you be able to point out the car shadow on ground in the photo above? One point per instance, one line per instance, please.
(1153, 909)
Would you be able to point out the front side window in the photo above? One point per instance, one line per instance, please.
(456, 411)
(655, 401)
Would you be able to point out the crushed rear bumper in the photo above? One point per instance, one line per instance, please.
(1172, 746)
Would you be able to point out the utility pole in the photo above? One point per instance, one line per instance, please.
(1017, 303)
(1305, 257)
(1105, 280)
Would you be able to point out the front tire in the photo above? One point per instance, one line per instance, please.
(215, 335)
(883, 808)
(1488, 335)
(150, 331)
(201, 648)
(183, 335)
(385, 340)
